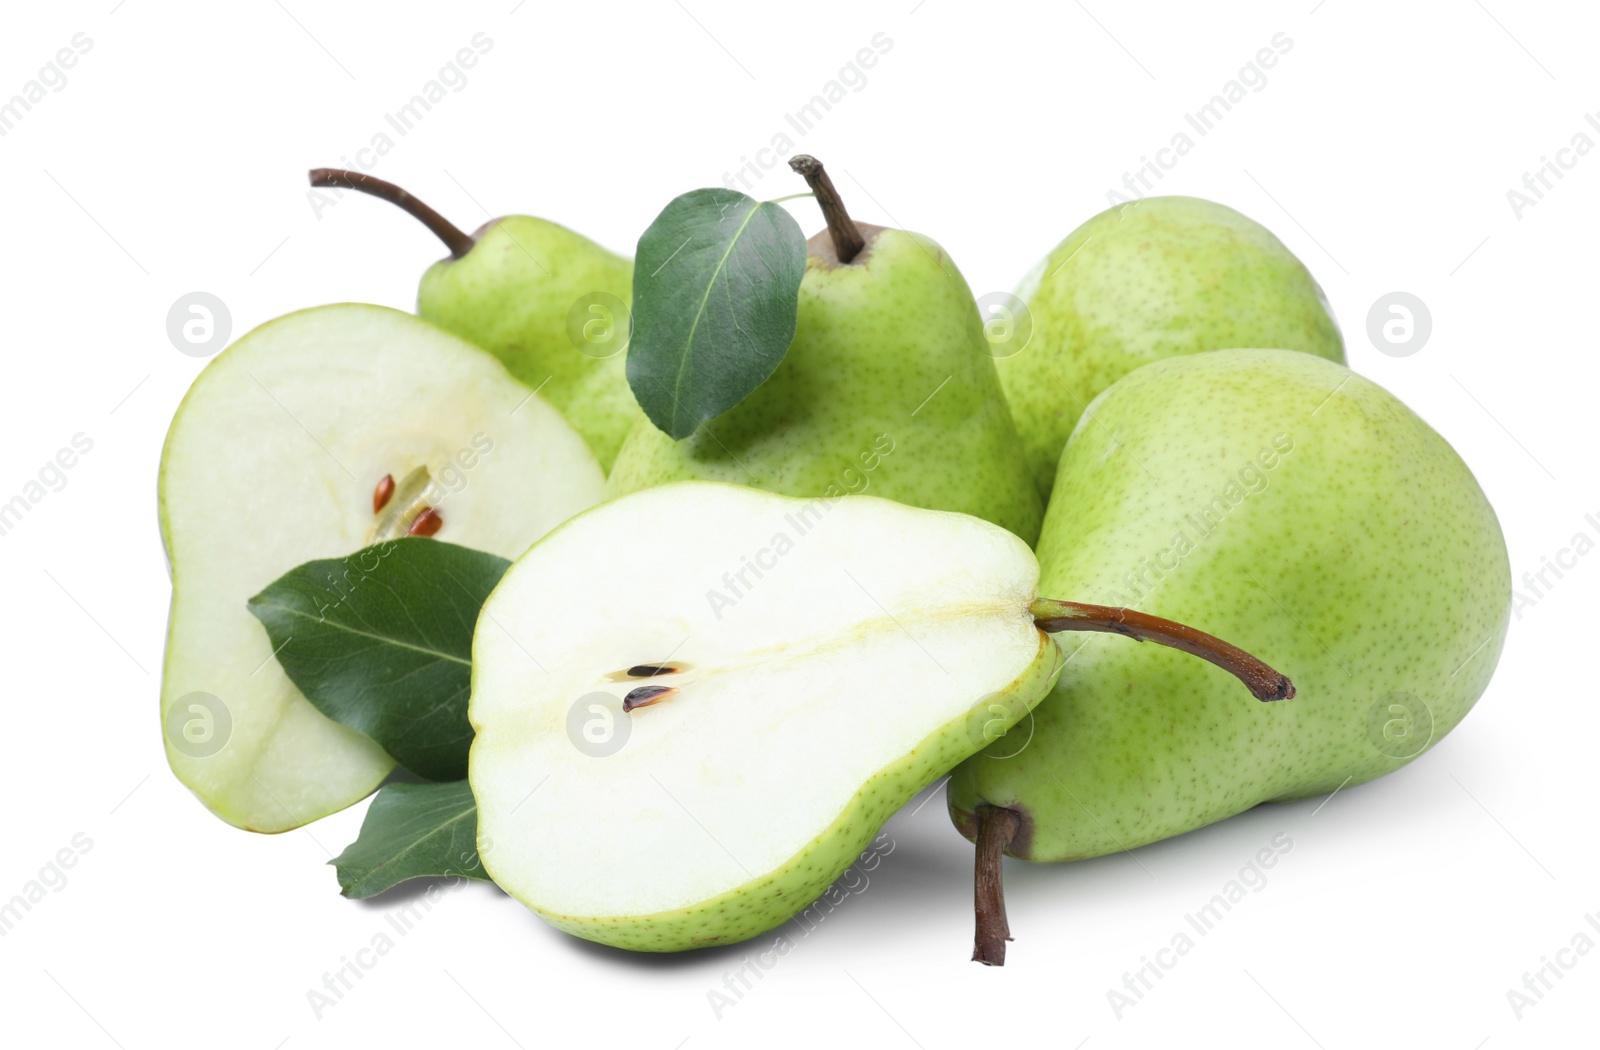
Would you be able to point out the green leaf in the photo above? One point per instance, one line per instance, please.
(412, 831)
(381, 641)
(716, 291)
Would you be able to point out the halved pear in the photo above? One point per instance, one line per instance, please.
(316, 435)
(696, 704)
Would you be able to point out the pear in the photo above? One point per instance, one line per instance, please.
(694, 705)
(548, 302)
(314, 436)
(1303, 512)
(886, 389)
(1146, 280)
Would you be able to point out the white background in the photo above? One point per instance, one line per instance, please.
(1381, 149)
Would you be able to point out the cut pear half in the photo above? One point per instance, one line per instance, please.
(314, 436)
(696, 704)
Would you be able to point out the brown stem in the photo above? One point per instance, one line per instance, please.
(459, 243)
(996, 828)
(1263, 682)
(847, 239)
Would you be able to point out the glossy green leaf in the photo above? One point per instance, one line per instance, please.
(381, 641)
(412, 831)
(716, 292)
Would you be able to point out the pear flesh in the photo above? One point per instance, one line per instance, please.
(1298, 510)
(275, 458)
(887, 389)
(695, 705)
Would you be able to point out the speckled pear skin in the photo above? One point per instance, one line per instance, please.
(511, 295)
(887, 389)
(770, 900)
(1146, 280)
(1364, 562)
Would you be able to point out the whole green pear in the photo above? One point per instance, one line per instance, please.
(1146, 280)
(1293, 508)
(521, 293)
(551, 304)
(887, 388)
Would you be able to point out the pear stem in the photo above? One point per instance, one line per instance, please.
(459, 243)
(847, 239)
(996, 828)
(1263, 682)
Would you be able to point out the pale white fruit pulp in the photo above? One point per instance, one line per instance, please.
(819, 644)
(272, 461)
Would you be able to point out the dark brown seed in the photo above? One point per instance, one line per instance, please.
(381, 494)
(646, 695)
(650, 670)
(426, 524)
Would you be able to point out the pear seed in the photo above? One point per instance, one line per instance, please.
(646, 695)
(382, 494)
(650, 670)
(426, 524)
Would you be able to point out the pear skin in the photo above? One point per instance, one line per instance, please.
(886, 389)
(1297, 510)
(1146, 280)
(514, 294)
